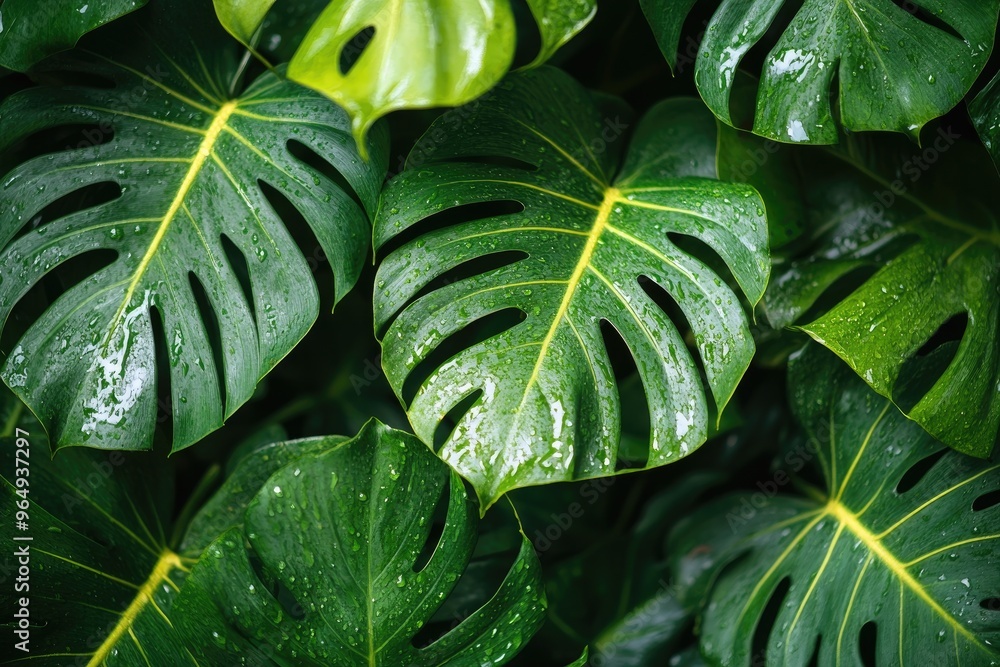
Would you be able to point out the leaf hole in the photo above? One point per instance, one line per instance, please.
(814, 660)
(633, 450)
(212, 331)
(924, 368)
(918, 471)
(312, 159)
(238, 263)
(867, 644)
(436, 525)
(451, 217)
(706, 254)
(913, 9)
(986, 501)
(991, 604)
(473, 267)
(71, 136)
(529, 37)
(164, 403)
(472, 334)
(82, 199)
(447, 425)
(838, 291)
(483, 575)
(303, 236)
(666, 302)
(278, 590)
(33, 303)
(952, 330)
(351, 52)
(769, 616)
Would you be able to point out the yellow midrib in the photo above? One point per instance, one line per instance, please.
(898, 569)
(197, 162)
(168, 562)
(611, 197)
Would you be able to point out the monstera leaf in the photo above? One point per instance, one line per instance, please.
(30, 31)
(423, 53)
(344, 586)
(595, 233)
(899, 546)
(985, 112)
(630, 613)
(192, 221)
(895, 69)
(99, 571)
(932, 258)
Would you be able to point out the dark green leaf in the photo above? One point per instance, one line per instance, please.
(31, 30)
(936, 248)
(879, 543)
(593, 223)
(894, 70)
(228, 505)
(99, 572)
(188, 163)
(330, 574)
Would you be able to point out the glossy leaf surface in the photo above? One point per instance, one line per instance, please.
(331, 574)
(594, 222)
(190, 224)
(30, 31)
(101, 571)
(902, 535)
(884, 67)
(932, 254)
(421, 54)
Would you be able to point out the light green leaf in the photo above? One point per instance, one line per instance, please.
(102, 572)
(558, 22)
(331, 576)
(932, 235)
(30, 30)
(902, 536)
(423, 54)
(242, 18)
(895, 70)
(546, 404)
(190, 216)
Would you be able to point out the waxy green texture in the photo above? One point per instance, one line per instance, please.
(31, 31)
(189, 216)
(911, 552)
(595, 221)
(894, 70)
(891, 206)
(339, 533)
(423, 53)
(102, 568)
